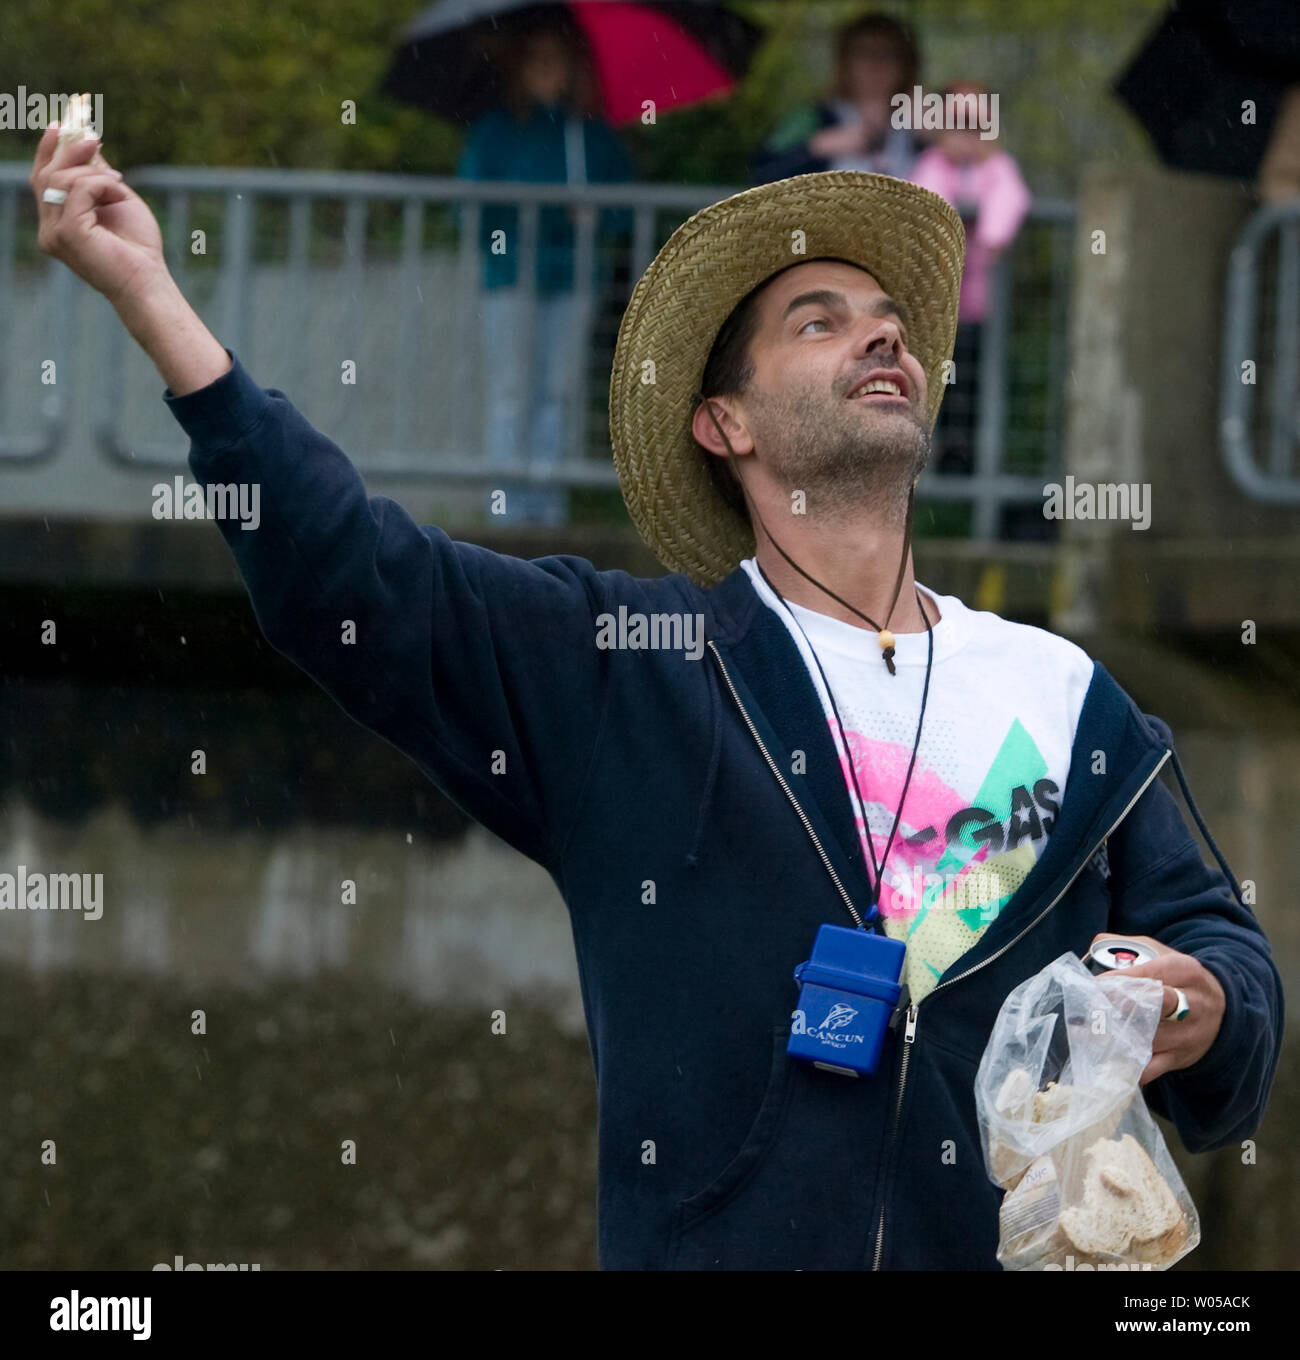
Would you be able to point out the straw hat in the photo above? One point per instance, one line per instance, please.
(909, 240)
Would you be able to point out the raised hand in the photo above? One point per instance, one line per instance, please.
(103, 231)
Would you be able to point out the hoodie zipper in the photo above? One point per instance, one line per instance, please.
(780, 779)
(909, 1036)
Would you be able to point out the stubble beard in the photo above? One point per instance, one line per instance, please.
(845, 461)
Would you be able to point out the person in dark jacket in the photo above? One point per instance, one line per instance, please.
(851, 129)
(715, 764)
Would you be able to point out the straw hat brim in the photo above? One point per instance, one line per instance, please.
(911, 242)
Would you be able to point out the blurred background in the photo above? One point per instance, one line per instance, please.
(331, 178)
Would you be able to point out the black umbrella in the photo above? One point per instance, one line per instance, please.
(1189, 82)
(674, 52)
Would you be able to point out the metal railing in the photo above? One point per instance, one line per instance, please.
(1259, 405)
(46, 334)
(298, 271)
(1020, 385)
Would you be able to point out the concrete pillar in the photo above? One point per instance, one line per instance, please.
(1143, 408)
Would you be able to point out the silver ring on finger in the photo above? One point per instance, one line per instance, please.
(1181, 1009)
(54, 196)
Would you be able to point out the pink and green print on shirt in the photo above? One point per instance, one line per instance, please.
(946, 882)
(991, 769)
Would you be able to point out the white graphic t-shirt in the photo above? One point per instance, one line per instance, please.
(990, 772)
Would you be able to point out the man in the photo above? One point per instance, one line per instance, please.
(686, 790)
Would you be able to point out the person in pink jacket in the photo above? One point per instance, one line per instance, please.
(984, 184)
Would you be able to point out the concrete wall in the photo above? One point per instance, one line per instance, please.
(1143, 404)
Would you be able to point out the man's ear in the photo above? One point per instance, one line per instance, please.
(706, 431)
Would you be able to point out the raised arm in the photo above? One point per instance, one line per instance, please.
(482, 668)
(105, 233)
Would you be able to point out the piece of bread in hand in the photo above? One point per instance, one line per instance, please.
(1127, 1210)
(77, 125)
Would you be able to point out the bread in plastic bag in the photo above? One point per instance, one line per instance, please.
(1067, 1133)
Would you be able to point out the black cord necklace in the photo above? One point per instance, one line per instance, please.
(879, 869)
(886, 639)
(883, 635)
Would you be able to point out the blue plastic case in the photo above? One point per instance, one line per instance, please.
(848, 991)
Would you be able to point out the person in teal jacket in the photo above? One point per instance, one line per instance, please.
(546, 132)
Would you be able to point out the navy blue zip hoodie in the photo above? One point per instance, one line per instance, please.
(656, 791)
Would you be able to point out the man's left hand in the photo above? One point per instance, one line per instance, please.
(1178, 1043)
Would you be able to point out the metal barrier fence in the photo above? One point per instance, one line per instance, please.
(301, 273)
(1259, 405)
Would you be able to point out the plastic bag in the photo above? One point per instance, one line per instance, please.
(1066, 1132)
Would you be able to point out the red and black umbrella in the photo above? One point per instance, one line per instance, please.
(674, 53)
